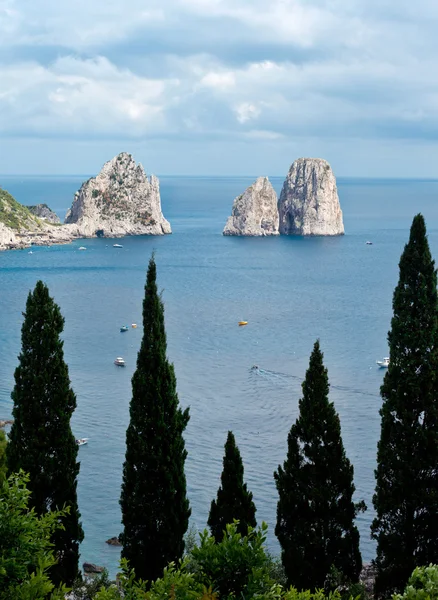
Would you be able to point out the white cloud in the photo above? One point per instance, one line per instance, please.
(237, 68)
(247, 112)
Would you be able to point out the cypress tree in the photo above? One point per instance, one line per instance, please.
(406, 496)
(234, 501)
(155, 508)
(3, 468)
(315, 512)
(41, 441)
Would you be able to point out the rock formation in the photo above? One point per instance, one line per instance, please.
(254, 212)
(114, 541)
(91, 568)
(120, 201)
(309, 203)
(45, 213)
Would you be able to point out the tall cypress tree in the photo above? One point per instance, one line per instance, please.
(315, 512)
(155, 508)
(234, 501)
(41, 441)
(3, 468)
(406, 497)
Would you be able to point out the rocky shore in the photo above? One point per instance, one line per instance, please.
(120, 201)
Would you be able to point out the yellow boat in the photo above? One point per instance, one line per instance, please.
(134, 325)
(243, 323)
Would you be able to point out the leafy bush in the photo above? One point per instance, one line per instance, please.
(235, 567)
(422, 585)
(25, 547)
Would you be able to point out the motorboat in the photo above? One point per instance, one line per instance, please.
(82, 248)
(124, 328)
(241, 323)
(134, 326)
(120, 362)
(117, 246)
(383, 364)
(368, 243)
(82, 441)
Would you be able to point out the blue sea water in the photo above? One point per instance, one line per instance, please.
(290, 290)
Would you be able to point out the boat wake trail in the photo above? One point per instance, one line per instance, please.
(283, 379)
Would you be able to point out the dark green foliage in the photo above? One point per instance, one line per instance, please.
(234, 501)
(3, 467)
(25, 547)
(315, 513)
(406, 498)
(155, 508)
(41, 441)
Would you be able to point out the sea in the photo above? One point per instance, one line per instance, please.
(291, 290)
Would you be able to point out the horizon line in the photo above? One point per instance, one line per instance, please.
(88, 175)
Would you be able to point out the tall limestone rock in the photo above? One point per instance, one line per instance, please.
(121, 200)
(255, 212)
(309, 203)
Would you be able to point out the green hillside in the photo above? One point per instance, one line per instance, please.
(15, 215)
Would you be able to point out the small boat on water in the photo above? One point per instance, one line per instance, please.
(241, 323)
(134, 326)
(124, 328)
(383, 364)
(368, 243)
(82, 441)
(117, 246)
(120, 362)
(82, 248)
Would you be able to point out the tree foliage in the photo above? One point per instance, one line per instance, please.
(406, 497)
(237, 566)
(315, 513)
(155, 508)
(41, 441)
(26, 550)
(234, 501)
(3, 467)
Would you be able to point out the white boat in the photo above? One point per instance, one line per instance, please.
(369, 243)
(383, 364)
(120, 362)
(117, 246)
(82, 441)
(82, 248)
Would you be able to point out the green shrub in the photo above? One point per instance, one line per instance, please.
(422, 585)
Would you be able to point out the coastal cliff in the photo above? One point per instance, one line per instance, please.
(120, 201)
(309, 202)
(42, 211)
(255, 212)
(20, 228)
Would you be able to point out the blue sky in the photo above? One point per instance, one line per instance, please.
(219, 86)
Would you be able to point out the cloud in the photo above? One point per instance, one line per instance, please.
(235, 69)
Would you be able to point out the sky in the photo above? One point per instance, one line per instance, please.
(219, 87)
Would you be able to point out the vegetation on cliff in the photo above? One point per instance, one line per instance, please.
(16, 216)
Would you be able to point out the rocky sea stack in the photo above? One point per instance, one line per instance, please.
(255, 212)
(120, 201)
(309, 203)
